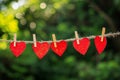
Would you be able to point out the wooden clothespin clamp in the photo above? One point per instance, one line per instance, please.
(103, 33)
(34, 40)
(77, 37)
(54, 40)
(15, 39)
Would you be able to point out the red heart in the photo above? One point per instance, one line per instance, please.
(61, 47)
(83, 46)
(100, 46)
(41, 49)
(18, 49)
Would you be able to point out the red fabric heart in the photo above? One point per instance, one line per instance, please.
(41, 49)
(18, 49)
(83, 46)
(61, 47)
(100, 46)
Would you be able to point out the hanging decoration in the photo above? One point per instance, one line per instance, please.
(81, 45)
(41, 48)
(17, 48)
(100, 42)
(58, 47)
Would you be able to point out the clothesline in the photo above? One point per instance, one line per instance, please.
(68, 40)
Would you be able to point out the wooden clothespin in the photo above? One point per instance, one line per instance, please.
(34, 40)
(54, 40)
(15, 39)
(103, 33)
(77, 37)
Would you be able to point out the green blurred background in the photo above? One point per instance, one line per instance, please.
(62, 17)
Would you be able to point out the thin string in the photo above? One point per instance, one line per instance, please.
(68, 40)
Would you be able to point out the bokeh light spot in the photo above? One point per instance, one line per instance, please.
(32, 25)
(43, 5)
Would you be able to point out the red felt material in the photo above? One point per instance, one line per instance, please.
(100, 46)
(82, 48)
(41, 49)
(61, 47)
(18, 49)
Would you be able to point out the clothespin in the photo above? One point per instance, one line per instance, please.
(15, 39)
(34, 40)
(77, 37)
(103, 33)
(54, 40)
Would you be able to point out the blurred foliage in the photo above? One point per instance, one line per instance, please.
(62, 17)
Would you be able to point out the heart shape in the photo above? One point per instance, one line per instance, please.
(100, 45)
(18, 49)
(41, 49)
(83, 45)
(61, 47)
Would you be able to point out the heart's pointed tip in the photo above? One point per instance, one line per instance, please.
(60, 55)
(99, 53)
(83, 54)
(40, 58)
(16, 56)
